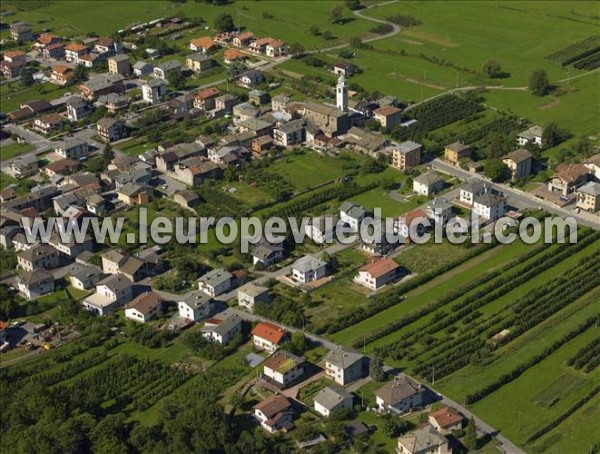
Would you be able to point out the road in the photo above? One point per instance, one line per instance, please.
(523, 198)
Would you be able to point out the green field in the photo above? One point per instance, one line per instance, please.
(15, 149)
(13, 95)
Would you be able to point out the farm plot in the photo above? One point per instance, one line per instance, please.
(578, 52)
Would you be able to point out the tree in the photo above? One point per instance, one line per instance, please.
(296, 49)
(491, 68)
(224, 23)
(176, 79)
(470, 440)
(376, 369)
(327, 35)
(107, 154)
(353, 4)
(390, 426)
(539, 84)
(336, 15)
(27, 76)
(551, 136)
(298, 343)
(496, 145)
(313, 30)
(495, 169)
(80, 74)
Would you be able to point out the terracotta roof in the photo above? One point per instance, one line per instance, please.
(273, 405)
(446, 417)
(206, 42)
(410, 217)
(571, 172)
(13, 53)
(105, 42)
(245, 35)
(46, 38)
(233, 54)
(75, 47)
(276, 43)
(262, 42)
(386, 111)
(380, 267)
(61, 69)
(269, 332)
(283, 362)
(145, 302)
(207, 93)
(51, 118)
(62, 165)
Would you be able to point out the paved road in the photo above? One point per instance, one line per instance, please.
(523, 198)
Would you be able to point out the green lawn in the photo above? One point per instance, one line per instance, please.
(15, 149)
(13, 95)
(251, 196)
(378, 198)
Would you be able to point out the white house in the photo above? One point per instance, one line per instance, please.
(251, 293)
(308, 269)
(400, 395)
(352, 214)
(489, 206)
(268, 336)
(84, 277)
(425, 440)
(274, 414)
(427, 183)
(72, 148)
(216, 282)
(267, 253)
(445, 420)
(144, 307)
(344, 366)
(322, 229)
(195, 306)
(378, 273)
(111, 293)
(153, 90)
(222, 330)
(284, 368)
(532, 135)
(32, 284)
(332, 399)
(470, 189)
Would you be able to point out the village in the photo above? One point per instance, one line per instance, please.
(197, 133)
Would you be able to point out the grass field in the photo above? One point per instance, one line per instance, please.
(15, 149)
(13, 95)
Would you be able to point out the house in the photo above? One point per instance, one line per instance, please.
(113, 101)
(593, 163)
(21, 32)
(257, 126)
(225, 103)
(233, 55)
(244, 111)
(268, 336)
(77, 108)
(111, 129)
(111, 293)
(258, 97)
(261, 146)
(142, 68)
(470, 189)
(15, 56)
(216, 282)
(280, 102)
(163, 69)
(532, 135)
(71, 248)
(195, 305)
(388, 116)
(322, 229)
(48, 123)
(198, 62)
(251, 293)
(425, 440)
(153, 90)
(61, 74)
(489, 206)
(84, 277)
(95, 204)
(400, 395)
(222, 330)
(428, 183)
(119, 64)
(205, 99)
(23, 166)
(275, 413)
(445, 420)
(74, 51)
(407, 155)
(251, 78)
(72, 148)
(439, 210)
(187, 199)
(259, 46)
(366, 141)
(10, 69)
(308, 269)
(134, 194)
(267, 254)
(519, 163)
(32, 284)
(102, 85)
(377, 273)
(588, 197)
(456, 151)
(343, 68)
(332, 399)
(276, 48)
(54, 51)
(153, 53)
(109, 46)
(47, 39)
(283, 368)
(38, 257)
(332, 121)
(144, 307)
(290, 133)
(243, 39)
(352, 214)
(568, 178)
(205, 45)
(345, 366)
